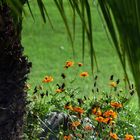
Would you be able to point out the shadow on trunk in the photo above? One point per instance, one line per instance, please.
(14, 68)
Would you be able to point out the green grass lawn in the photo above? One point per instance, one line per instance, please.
(48, 49)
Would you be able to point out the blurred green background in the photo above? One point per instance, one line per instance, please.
(48, 49)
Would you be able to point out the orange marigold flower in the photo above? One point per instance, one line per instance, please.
(59, 90)
(114, 136)
(113, 84)
(129, 137)
(114, 115)
(94, 110)
(107, 120)
(116, 104)
(67, 137)
(75, 124)
(110, 113)
(69, 64)
(80, 64)
(84, 74)
(68, 107)
(78, 109)
(47, 79)
(97, 111)
(88, 127)
(99, 119)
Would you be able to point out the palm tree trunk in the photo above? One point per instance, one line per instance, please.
(14, 68)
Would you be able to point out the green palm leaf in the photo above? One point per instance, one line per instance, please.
(123, 21)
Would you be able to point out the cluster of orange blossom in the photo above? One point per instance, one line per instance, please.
(115, 137)
(68, 64)
(116, 105)
(74, 109)
(106, 117)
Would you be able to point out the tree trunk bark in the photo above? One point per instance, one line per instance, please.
(14, 68)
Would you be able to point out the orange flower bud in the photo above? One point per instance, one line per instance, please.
(129, 137)
(78, 109)
(114, 136)
(84, 74)
(116, 104)
(69, 64)
(47, 79)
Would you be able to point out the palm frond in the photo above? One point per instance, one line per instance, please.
(60, 6)
(83, 10)
(28, 4)
(42, 9)
(89, 33)
(83, 31)
(123, 21)
(17, 8)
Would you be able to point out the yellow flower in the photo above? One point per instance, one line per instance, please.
(114, 115)
(113, 84)
(97, 111)
(114, 136)
(75, 124)
(84, 74)
(47, 79)
(129, 137)
(69, 64)
(59, 90)
(68, 107)
(78, 109)
(116, 104)
(94, 110)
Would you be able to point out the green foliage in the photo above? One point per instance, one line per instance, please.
(124, 30)
(42, 44)
(122, 19)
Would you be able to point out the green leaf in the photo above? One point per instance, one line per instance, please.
(42, 10)
(123, 21)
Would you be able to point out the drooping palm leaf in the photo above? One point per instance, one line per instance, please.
(17, 7)
(83, 10)
(123, 21)
(83, 32)
(89, 33)
(30, 9)
(42, 9)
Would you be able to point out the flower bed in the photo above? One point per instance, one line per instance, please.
(98, 115)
